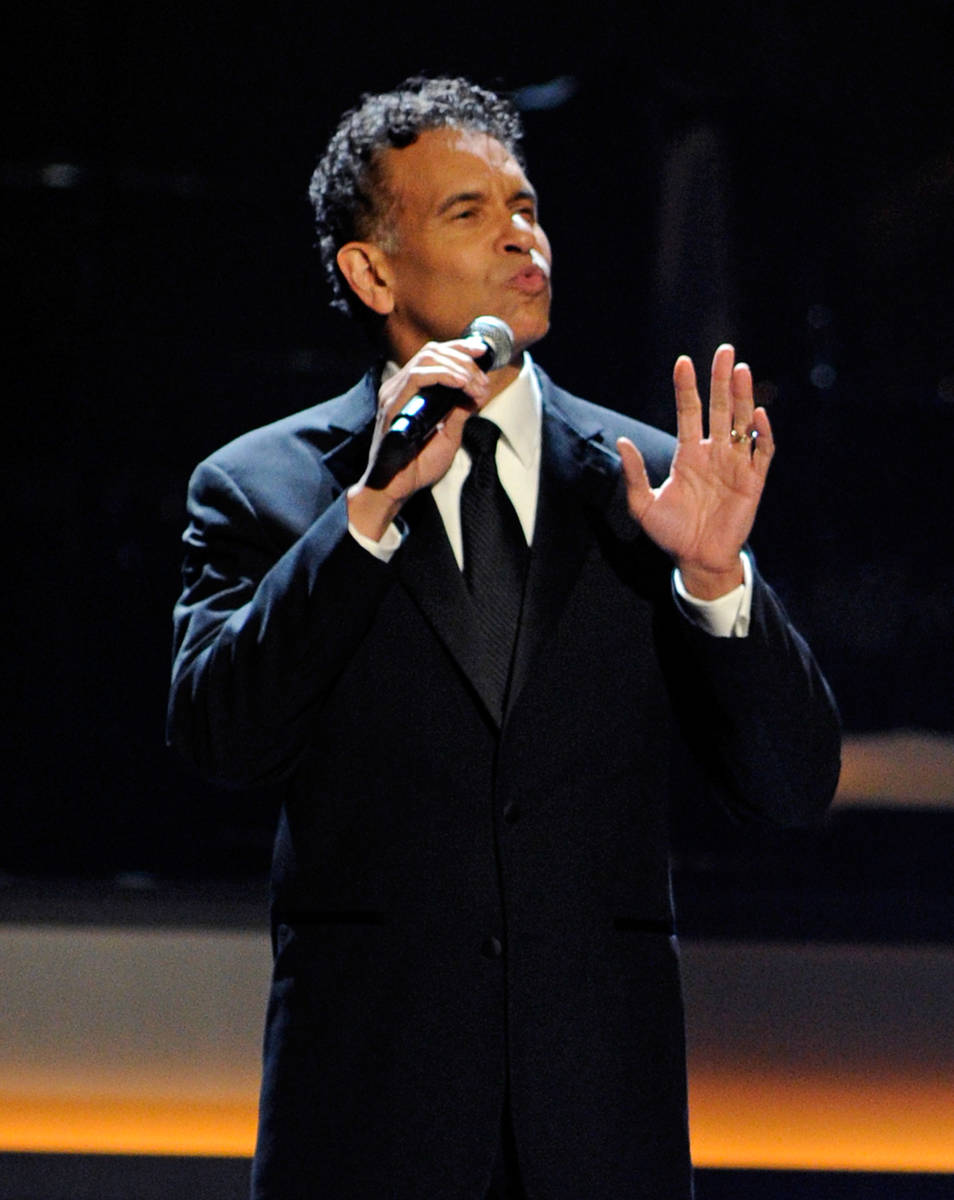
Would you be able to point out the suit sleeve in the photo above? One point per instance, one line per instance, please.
(260, 633)
(760, 714)
(756, 711)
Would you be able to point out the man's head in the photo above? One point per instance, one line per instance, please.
(425, 218)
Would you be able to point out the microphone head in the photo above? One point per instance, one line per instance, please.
(497, 336)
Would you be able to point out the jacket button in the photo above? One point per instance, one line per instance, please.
(511, 812)
(491, 948)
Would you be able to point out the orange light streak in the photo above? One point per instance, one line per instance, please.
(857, 1122)
(107, 1125)
(759, 1120)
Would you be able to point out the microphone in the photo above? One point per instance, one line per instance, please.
(421, 415)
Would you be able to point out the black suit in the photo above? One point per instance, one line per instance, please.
(456, 905)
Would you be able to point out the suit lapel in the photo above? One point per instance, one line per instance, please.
(578, 479)
(351, 424)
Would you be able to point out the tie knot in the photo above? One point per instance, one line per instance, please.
(480, 437)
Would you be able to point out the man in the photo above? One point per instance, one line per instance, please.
(475, 988)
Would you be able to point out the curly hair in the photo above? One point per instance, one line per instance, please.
(347, 189)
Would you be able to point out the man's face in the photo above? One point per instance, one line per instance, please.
(465, 241)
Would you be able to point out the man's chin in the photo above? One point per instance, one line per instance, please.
(527, 333)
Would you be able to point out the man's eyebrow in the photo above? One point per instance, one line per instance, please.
(459, 198)
(526, 193)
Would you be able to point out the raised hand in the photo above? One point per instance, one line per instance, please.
(703, 512)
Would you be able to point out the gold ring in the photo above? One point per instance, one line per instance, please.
(743, 437)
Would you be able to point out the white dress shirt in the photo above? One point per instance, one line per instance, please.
(518, 412)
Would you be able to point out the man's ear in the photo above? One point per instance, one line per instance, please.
(364, 265)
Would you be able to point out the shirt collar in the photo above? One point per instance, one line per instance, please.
(517, 411)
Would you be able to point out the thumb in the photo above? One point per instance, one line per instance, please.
(639, 494)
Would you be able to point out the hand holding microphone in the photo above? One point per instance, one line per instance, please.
(422, 414)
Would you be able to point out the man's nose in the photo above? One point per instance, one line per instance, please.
(517, 235)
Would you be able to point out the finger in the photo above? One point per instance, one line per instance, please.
(452, 372)
(457, 355)
(461, 350)
(720, 393)
(639, 493)
(474, 345)
(764, 442)
(743, 402)
(688, 404)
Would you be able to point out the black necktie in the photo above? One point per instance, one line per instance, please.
(495, 553)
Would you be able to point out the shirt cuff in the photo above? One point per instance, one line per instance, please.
(386, 548)
(727, 616)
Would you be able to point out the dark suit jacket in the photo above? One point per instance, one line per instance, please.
(458, 906)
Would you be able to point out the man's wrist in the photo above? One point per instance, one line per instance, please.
(704, 584)
(727, 615)
(371, 512)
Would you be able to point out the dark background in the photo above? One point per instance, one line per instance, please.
(777, 175)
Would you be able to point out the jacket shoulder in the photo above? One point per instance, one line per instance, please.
(326, 441)
(315, 430)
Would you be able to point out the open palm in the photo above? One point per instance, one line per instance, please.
(703, 512)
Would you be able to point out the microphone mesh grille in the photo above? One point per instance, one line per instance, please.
(499, 338)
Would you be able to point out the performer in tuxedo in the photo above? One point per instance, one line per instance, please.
(479, 680)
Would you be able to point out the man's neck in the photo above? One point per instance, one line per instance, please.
(503, 377)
